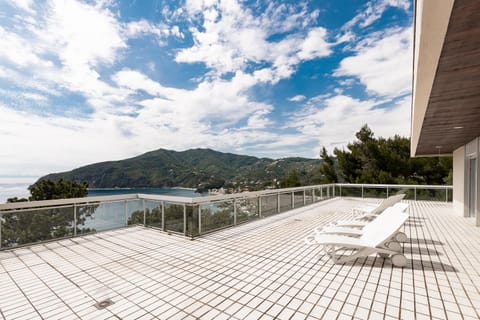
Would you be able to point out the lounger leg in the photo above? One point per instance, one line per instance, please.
(332, 253)
(401, 237)
(394, 246)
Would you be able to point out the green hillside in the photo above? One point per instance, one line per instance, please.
(195, 168)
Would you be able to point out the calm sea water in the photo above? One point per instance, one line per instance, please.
(104, 216)
(18, 187)
(179, 192)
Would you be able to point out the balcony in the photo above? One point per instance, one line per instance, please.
(260, 269)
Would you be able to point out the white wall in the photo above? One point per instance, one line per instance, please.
(459, 181)
(472, 150)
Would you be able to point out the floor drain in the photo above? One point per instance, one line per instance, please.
(103, 304)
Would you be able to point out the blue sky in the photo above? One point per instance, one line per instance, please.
(82, 82)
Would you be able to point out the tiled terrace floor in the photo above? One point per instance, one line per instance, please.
(258, 270)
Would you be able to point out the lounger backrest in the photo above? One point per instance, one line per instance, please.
(402, 206)
(384, 226)
(390, 201)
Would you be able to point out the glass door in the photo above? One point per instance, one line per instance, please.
(472, 194)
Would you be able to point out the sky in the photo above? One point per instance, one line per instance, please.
(89, 81)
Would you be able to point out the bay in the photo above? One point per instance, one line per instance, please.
(179, 192)
(18, 187)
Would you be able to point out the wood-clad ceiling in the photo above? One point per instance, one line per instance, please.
(453, 113)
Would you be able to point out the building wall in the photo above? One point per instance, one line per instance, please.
(472, 150)
(459, 181)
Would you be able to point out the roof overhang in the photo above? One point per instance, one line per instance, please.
(446, 76)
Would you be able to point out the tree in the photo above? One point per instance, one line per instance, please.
(44, 224)
(291, 180)
(388, 161)
(16, 199)
(60, 189)
(329, 174)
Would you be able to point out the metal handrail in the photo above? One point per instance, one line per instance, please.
(317, 193)
(199, 200)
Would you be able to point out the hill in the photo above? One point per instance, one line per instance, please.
(195, 168)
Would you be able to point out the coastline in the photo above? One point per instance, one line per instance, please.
(142, 188)
(175, 191)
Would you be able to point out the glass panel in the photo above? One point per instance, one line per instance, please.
(216, 215)
(247, 209)
(36, 225)
(431, 194)
(370, 192)
(298, 196)
(135, 212)
(192, 220)
(153, 212)
(101, 216)
(269, 205)
(409, 193)
(351, 191)
(309, 196)
(472, 195)
(174, 217)
(285, 202)
(319, 194)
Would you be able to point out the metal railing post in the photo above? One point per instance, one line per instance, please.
(321, 193)
(313, 195)
(446, 194)
(333, 191)
(234, 212)
(293, 200)
(387, 191)
(415, 193)
(260, 207)
(144, 213)
(362, 191)
(184, 219)
(278, 203)
(126, 213)
(1, 216)
(199, 219)
(163, 215)
(74, 222)
(340, 191)
(304, 198)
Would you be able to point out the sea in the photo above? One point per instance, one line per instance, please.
(18, 187)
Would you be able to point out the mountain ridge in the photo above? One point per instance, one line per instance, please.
(192, 168)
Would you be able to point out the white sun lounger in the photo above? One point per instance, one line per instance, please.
(356, 228)
(376, 238)
(371, 210)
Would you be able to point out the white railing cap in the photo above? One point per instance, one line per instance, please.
(197, 200)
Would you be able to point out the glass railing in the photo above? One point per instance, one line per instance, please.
(25, 223)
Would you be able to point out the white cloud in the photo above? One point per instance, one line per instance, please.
(333, 121)
(36, 145)
(372, 11)
(18, 51)
(315, 46)
(25, 5)
(54, 54)
(78, 43)
(259, 120)
(382, 63)
(297, 98)
(143, 27)
(224, 41)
